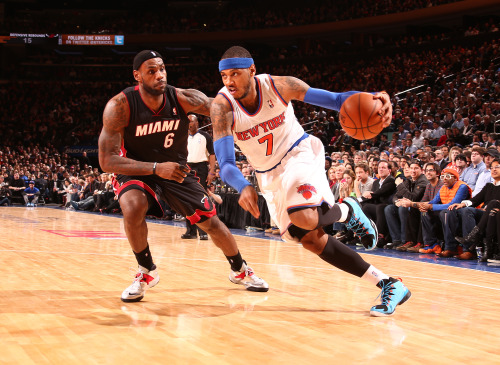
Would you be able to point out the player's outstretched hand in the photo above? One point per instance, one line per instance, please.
(248, 201)
(172, 171)
(386, 110)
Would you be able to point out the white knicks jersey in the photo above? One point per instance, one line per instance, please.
(267, 135)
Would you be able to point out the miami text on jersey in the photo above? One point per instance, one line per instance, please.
(266, 126)
(156, 127)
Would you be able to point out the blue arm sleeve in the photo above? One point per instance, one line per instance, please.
(229, 173)
(327, 99)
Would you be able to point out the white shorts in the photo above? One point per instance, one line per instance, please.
(298, 181)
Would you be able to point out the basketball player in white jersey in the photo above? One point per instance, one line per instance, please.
(255, 111)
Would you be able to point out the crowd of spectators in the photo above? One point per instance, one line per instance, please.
(128, 18)
(444, 121)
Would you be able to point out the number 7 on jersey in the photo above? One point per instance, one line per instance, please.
(269, 139)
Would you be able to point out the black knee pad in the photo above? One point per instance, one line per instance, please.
(328, 215)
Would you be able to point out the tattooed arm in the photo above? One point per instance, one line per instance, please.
(290, 88)
(115, 119)
(194, 101)
(221, 115)
(222, 120)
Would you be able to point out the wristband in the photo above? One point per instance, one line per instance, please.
(154, 168)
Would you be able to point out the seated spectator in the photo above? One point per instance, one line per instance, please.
(105, 197)
(442, 140)
(418, 140)
(485, 177)
(374, 201)
(364, 181)
(458, 137)
(400, 213)
(5, 192)
(453, 191)
(346, 188)
(452, 155)
(17, 187)
(461, 163)
(485, 232)
(489, 140)
(87, 195)
(432, 172)
(42, 184)
(31, 195)
(471, 173)
(339, 172)
(409, 147)
(436, 133)
(330, 174)
(468, 130)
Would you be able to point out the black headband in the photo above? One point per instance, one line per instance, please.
(143, 56)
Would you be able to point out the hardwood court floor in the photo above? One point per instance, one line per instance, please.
(63, 272)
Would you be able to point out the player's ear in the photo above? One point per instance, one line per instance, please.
(253, 70)
(137, 76)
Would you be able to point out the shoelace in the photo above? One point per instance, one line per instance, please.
(386, 292)
(357, 227)
(137, 275)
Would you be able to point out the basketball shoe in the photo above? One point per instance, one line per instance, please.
(361, 225)
(393, 293)
(247, 277)
(144, 279)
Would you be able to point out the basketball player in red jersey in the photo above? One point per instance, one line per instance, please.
(255, 111)
(144, 142)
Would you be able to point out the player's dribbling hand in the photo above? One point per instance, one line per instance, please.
(248, 201)
(172, 171)
(386, 110)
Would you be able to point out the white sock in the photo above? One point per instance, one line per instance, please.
(374, 275)
(344, 209)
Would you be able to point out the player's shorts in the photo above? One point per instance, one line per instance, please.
(298, 181)
(188, 198)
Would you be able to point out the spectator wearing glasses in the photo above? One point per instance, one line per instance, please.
(487, 231)
(453, 191)
(432, 172)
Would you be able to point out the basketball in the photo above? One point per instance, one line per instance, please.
(359, 116)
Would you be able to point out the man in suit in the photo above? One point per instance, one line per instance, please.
(400, 212)
(446, 159)
(375, 201)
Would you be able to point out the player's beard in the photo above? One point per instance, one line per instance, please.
(245, 92)
(155, 92)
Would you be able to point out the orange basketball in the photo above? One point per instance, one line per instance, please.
(359, 116)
